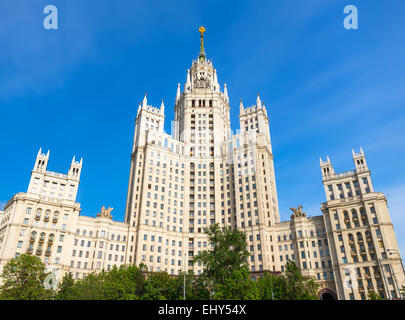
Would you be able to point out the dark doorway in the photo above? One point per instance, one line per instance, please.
(327, 294)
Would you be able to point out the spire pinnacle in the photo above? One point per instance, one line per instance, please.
(258, 101)
(226, 92)
(145, 101)
(201, 57)
(178, 92)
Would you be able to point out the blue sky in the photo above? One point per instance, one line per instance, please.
(76, 90)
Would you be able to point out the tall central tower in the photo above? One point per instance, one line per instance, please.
(200, 175)
(202, 110)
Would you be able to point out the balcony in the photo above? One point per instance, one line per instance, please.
(46, 218)
(351, 242)
(369, 239)
(38, 252)
(48, 253)
(37, 217)
(29, 250)
(353, 253)
(55, 220)
(367, 276)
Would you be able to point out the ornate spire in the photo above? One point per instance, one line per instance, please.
(178, 93)
(201, 57)
(145, 102)
(241, 106)
(188, 82)
(226, 92)
(162, 108)
(258, 101)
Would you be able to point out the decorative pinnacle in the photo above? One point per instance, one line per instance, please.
(202, 53)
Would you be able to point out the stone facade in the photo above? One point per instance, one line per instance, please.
(203, 174)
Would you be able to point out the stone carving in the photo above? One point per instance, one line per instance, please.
(202, 83)
(106, 213)
(297, 212)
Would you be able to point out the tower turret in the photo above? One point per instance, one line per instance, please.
(359, 160)
(326, 167)
(75, 169)
(41, 161)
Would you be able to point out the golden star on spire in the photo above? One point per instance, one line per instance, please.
(202, 30)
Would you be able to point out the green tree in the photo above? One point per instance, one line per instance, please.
(160, 286)
(23, 279)
(238, 286)
(225, 266)
(65, 288)
(271, 287)
(296, 286)
(374, 296)
(123, 283)
(196, 288)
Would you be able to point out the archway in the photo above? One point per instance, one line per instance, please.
(327, 294)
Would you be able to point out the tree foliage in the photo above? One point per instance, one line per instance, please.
(23, 279)
(225, 265)
(123, 283)
(374, 296)
(290, 286)
(226, 276)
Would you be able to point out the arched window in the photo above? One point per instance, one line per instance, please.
(354, 214)
(55, 216)
(47, 214)
(42, 237)
(33, 236)
(50, 238)
(38, 215)
(359, 236)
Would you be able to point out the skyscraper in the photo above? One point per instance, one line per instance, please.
(201, 174)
